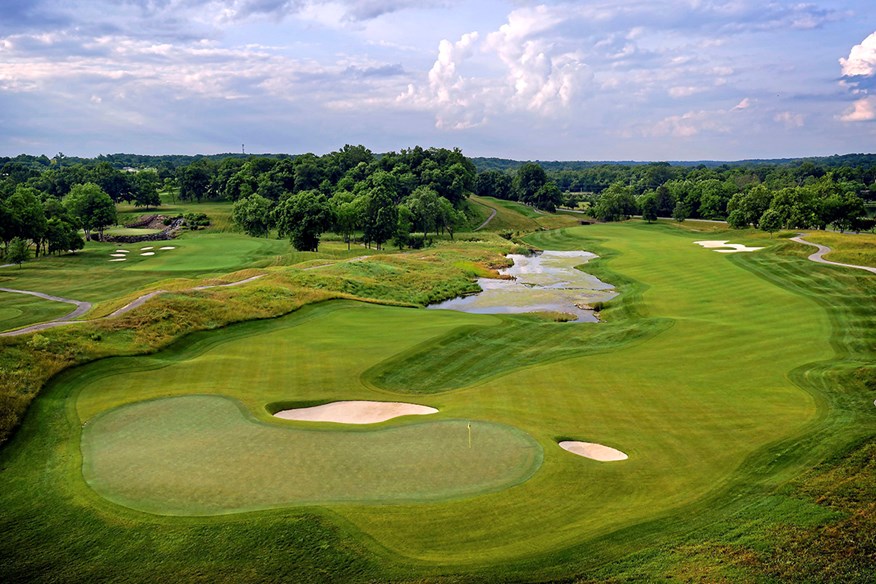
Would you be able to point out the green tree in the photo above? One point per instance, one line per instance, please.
(16, 252)
(616, 203)
(771, 221)
(253, 214)
(379, 217)
(449, 217)
(548, 197)
(145, 189)
(92, 207)
(681, 211)
(529, 179)
(648, 203)
(346, 213)
(423, 204)
(303, 217)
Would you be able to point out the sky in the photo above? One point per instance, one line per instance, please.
(580, 80)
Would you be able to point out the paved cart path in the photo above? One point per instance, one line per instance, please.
(818, 256)
(83, 307)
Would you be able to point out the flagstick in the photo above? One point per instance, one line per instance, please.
(469, 434)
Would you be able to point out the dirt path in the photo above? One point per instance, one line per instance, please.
(83, 307)
(818, 256)
(490, 218)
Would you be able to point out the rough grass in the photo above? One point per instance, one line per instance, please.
(848, 248)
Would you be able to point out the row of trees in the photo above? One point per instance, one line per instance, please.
(529, 184)
(374, 207)
(804, 195)
(817, 205)
(31, 219)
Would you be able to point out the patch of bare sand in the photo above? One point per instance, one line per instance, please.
(714, 244)
(593, 451)
(355, 412)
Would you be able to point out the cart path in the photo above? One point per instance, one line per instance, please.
(83, 307)
(818, 256)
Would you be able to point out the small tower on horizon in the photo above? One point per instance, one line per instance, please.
(243, 148)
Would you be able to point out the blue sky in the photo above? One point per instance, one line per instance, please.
(586, 80)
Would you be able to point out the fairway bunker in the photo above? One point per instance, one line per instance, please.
(729, 247)
(148, 253)
(122, 251)
(166, 247)
(593, 451)
(355, 412)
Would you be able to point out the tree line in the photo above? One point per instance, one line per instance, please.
(798, 195)
(352, 191)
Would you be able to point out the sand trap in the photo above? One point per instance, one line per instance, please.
(355, 412)
(148, 253)
(147, 248)
(593, 451)
(118, 255)
(166, 247)
(123, 251)
(733, 247)
(119, 260)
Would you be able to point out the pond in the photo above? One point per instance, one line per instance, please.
(545, 282)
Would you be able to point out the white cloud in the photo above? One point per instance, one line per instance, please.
(863, 110)
(862, 59)
(790, 120)
(745, 103)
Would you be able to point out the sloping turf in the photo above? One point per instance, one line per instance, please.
(715, 397)
(201, 455)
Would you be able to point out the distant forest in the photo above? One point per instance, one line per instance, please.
(46, 202)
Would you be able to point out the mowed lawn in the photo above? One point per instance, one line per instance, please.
(18, 310)
(688, 405)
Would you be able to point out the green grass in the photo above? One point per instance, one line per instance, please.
(516, 217)
(18, 310)
(733, 382)
(144, 456)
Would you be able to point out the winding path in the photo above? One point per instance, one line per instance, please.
(818, 256)
(83, 307)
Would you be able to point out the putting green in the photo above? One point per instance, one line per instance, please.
(201, 455)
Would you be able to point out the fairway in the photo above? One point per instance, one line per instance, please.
(694, 375)
(686, 424)
(18, 310)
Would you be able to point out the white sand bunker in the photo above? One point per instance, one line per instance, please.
(593, 451)
(147, 248)
(119, 260)
(731, 247)
(355, 412)
(118, 255)
(148, 253)
(122, 251)
(166, 247)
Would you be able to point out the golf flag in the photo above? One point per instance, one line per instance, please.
(469, 434)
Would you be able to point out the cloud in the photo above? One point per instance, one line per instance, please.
(863, 110)
(862, 59)
(859, 72)
(790, 120)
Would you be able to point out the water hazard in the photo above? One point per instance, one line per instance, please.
(545, 282)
